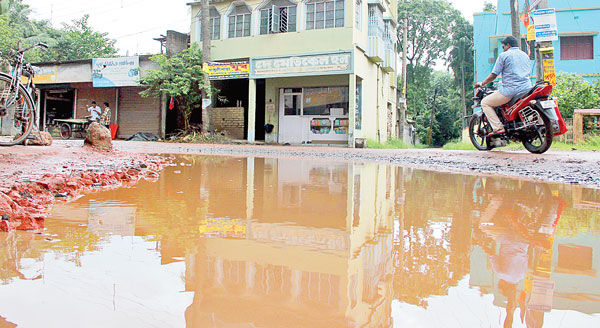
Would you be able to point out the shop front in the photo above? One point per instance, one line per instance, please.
(313, 115)
(307, 97)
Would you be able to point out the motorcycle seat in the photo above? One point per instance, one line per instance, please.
(521, 94)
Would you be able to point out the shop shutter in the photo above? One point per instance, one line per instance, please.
(137, 113)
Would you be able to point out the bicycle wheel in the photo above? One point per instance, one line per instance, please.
(17, 117)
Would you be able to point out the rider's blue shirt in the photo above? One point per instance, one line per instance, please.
(514, 66)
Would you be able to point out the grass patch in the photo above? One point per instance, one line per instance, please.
(391, 144)
(459, 145)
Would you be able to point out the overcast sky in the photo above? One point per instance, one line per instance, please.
(134, 23)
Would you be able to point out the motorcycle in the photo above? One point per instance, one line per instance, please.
(532, 118)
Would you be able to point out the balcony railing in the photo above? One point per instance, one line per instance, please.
(376, 52)
(389, 62)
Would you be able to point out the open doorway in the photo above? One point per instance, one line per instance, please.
(56, 104)
(260, 110)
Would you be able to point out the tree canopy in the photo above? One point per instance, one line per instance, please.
(76, 40)
(489, 7)
(436, 33)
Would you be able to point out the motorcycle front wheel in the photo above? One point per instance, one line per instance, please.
(478, 129)
(540, 141)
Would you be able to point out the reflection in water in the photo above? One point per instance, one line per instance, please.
(244, 242)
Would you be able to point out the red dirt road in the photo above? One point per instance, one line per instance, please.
(33, 178)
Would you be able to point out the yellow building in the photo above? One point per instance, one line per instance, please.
(319, 71)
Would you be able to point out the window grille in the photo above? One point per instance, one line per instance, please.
(376, 24)
(358, 14)
(280, 17)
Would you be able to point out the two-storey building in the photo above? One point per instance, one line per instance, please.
(577, 50)
(320, 71)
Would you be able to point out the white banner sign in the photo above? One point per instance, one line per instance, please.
(115, 72)
(545, 25)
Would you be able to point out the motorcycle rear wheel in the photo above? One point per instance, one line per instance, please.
(478, 129)
(541, 142)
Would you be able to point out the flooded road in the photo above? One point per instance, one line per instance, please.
(263, 242)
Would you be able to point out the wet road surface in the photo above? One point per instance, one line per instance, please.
(264, 242)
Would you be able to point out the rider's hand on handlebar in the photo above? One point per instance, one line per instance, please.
(477, 85)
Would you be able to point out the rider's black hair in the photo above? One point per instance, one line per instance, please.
(106, 104)
(510, 40)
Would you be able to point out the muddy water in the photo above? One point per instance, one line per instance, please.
(254, 242)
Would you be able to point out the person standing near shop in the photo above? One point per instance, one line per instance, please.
(95, 111)
(105, 118)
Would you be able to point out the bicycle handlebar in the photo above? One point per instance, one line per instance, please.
(39, 44)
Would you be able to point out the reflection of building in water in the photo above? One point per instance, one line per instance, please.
(311, 256)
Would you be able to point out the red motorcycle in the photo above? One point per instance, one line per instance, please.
(531, 117)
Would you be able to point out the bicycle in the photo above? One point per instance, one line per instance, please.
(17, 100)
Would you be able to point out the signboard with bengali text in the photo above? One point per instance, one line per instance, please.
(115, 72)
(545, 25)
(312, 64)
(226, 71)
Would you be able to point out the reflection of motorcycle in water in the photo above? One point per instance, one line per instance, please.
(516, 230)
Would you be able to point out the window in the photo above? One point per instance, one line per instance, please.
(358, 14)
(576, 47)
(324, 14)
(320, 101)
(279, 16)
(239, 22)
(376, 25)
(215, 25)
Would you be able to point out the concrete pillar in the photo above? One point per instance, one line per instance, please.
(251, 110)
(351, 108)
(163, 115)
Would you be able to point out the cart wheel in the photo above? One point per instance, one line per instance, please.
(65, 131)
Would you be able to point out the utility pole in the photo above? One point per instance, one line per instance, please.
(542, 45)
(514, 20)
(206, 37)
(404, 50)
(429, 136)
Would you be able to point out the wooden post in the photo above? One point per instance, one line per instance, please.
(578, 122)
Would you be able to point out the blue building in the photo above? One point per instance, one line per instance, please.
(577, 50)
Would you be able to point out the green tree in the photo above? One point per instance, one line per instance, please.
(80, 41)
(489, 7)
(462, 62)
(440, 120)
(181, 77)
(573, 92)
(434, 29)
(7, 38)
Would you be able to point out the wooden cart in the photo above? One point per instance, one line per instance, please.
(68, 127)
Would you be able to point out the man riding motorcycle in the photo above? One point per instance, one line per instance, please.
(514, 66)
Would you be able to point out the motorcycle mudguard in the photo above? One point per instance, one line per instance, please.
(554, 120)
(561, 123)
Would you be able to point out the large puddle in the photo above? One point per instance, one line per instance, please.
(254, 242)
